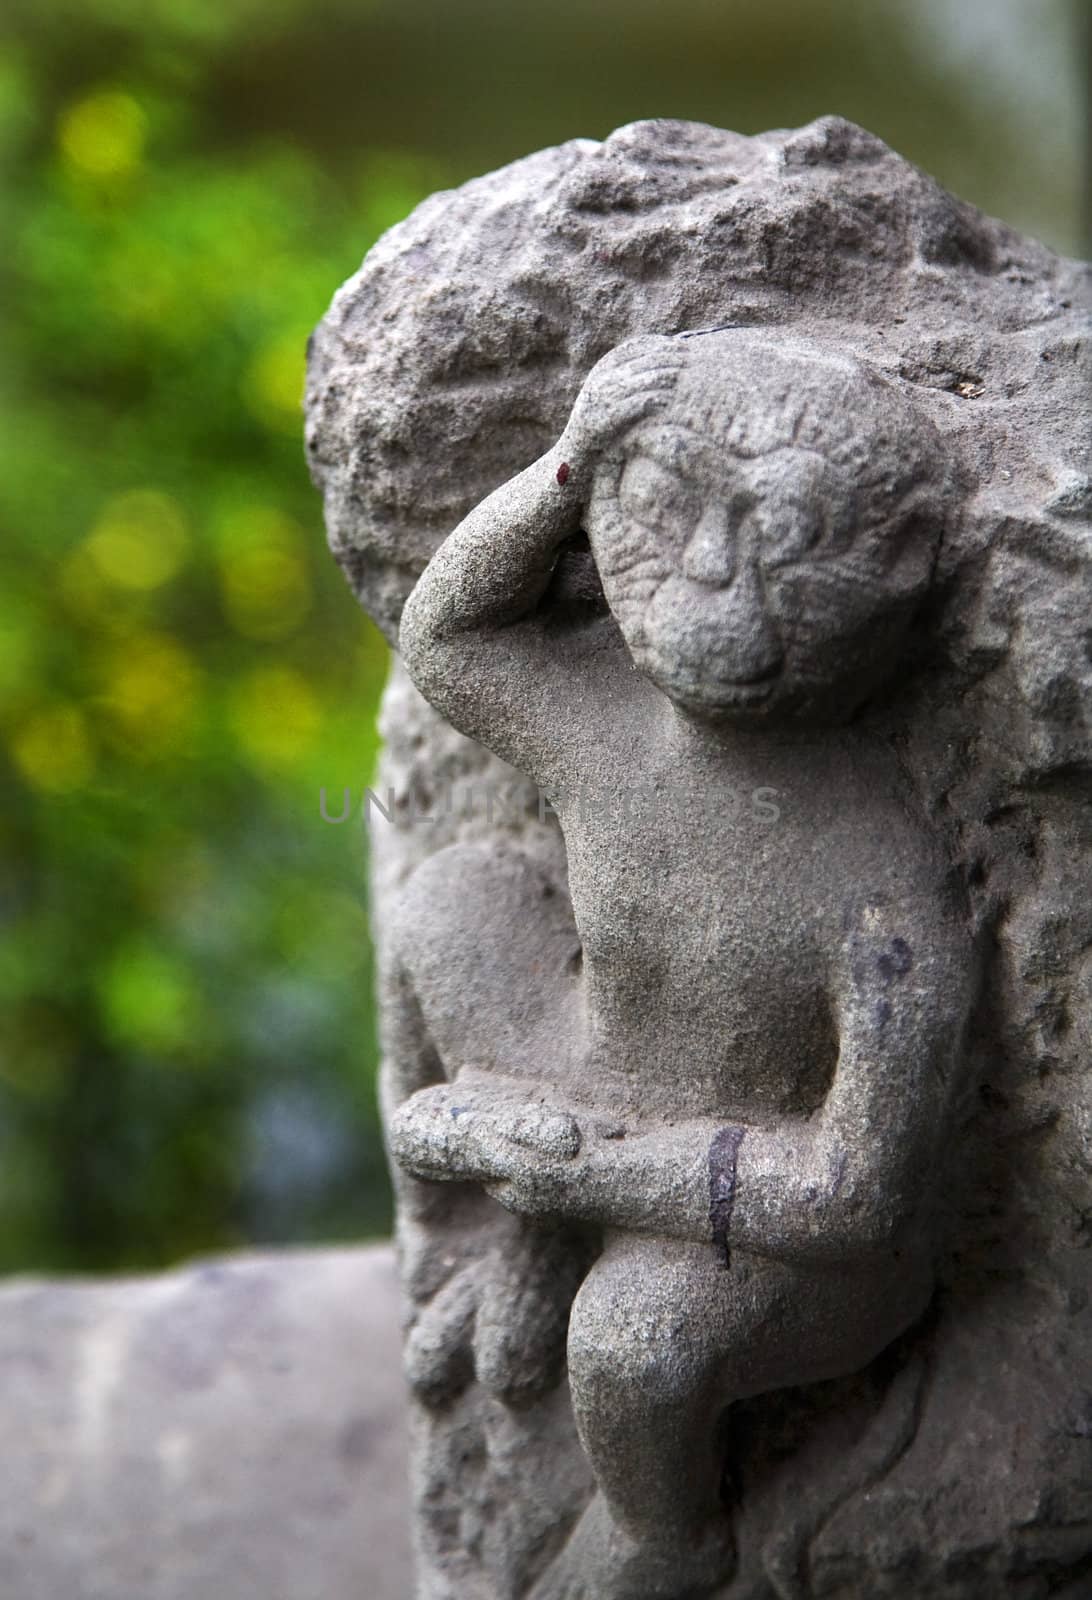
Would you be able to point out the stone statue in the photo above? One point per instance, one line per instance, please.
(765, 520)
(689, 1074)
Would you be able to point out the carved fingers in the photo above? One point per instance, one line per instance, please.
(438, 1355)
(502, 1319)
(628, 385)
(440, 1133)
(523, 1312)
(517, 1149)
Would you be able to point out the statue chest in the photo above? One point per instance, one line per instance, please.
(706, 955)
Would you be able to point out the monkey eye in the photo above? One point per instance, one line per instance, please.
(789, 528)
(658, 498)
(802, 508)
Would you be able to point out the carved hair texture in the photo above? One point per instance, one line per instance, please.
(774, 524)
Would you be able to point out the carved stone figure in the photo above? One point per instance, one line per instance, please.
(735, 1093)
(764, 520)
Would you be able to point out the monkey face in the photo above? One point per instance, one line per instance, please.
(754, 572)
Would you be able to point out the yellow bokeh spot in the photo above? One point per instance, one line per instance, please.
(53, 748)
(266, 593)
(275, 716)
(140, 539)
(265, 585)
(102, 135)
(150, 690)
(273, 384)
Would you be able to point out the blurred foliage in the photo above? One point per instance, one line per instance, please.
(187, 1051)
(186, 1035)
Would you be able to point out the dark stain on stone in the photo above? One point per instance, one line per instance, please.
(895, 961)
(1080, 1426)
(723, 1154)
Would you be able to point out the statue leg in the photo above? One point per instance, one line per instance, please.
(646, 1355)
(662, 1338)
(491, 952)
(479, 964)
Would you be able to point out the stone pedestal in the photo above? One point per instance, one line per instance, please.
(232, 1429)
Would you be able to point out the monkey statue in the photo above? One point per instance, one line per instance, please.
(732, 1069)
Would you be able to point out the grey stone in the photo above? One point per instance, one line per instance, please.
(733, 494)
(233, 1429)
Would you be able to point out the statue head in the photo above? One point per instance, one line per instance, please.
(764, 537)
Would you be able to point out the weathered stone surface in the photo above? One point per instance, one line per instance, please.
(954, 1463)
(453, 357)
(233, 1429)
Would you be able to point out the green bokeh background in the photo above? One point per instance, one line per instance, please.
(187, 1049)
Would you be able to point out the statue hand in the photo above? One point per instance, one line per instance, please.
(441, 1133)
(631, 383)
(516, 1148)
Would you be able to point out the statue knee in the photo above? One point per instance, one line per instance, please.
(439, 892)
(435, 931)
(630, 1348)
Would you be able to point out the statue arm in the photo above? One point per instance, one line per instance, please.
(858, 1176)
(850, 1181)
(470, 636)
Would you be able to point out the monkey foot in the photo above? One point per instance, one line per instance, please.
(600, 1562)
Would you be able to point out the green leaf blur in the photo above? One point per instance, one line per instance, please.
(188, 1053)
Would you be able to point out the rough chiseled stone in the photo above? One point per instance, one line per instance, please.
(901, 385)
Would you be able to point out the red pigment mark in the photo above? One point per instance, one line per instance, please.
(563, 474)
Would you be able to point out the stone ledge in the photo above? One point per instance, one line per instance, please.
(232, 1429)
